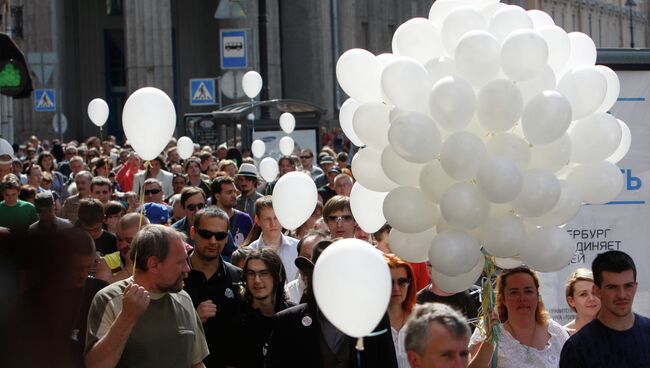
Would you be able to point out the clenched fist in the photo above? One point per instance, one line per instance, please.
(135, 301)
(206, 310)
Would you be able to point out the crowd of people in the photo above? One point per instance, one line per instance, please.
(111, 261)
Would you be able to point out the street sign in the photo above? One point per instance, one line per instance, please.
(42, 64)
(234, 53)
(202, 92)
(230, 84)
(44, 100)
(55, 123)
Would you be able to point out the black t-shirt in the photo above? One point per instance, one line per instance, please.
(106, 243)
(597, 345)
(326, 193)
(220, 330)
(463, 302)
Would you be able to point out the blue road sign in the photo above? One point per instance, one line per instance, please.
(44, 100)
(202, 92)
(234, 53)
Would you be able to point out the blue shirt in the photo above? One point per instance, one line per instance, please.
(597, 345)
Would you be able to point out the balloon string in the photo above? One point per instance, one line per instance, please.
(147, 165)
(253, 113)
(101, 138)
(488, 284)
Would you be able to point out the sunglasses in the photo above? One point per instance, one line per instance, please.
(151, 191)
(402, 282)
(306, 157)
(193, 206)
(207, 234)
(344, 218)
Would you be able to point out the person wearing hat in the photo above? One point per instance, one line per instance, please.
(157, 213)
(296, 288)
(303, 337)
(156, 170)
(328, 190)
(326, 163)
(47, 219)
(6, 155)
(247, 179)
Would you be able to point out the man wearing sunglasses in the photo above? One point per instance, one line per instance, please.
(192, 201)
(212, 284)
(307, 161)
(337, 214)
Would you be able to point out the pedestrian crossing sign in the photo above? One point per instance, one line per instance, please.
(44, 100)
(202, 92)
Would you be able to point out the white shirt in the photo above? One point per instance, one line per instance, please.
(294, 290)
(400, 350)
(288, 252)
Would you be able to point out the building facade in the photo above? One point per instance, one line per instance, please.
(110, 48)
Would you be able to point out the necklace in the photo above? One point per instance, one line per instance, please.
(529, 354)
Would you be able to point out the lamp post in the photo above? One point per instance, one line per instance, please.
(631, 4)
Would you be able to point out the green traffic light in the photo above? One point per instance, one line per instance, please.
(9, 76)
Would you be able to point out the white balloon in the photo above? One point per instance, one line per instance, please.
(477, 57)
(258, 147)
(509, 19)
(358, 73)
(499, 179)
(462, 154)
(624, 146)
(286, 145)
(458, 284)
(434, 181)
(269, 169)
(294, 199)
(366, 167)
(502, 235)
(499, 105)
(548, 249)
(415, 137)
(543, 82)
(439, 68)
(399, 170)
(355, 300)
(252, 83)
(585, 88)
(418, 38)
(454, 252)
(457, 23)
(559, 46)
(539, 194)
(540, 18)
(440, 9)
(287, 122)
(367, 207)
(507, 263)
(185, 147)
(546, 117)
(489, 10)
(583, 50)
(422, 213)
(566, 208)
(599, 183)
(524, 55)
(406, 84)
(452, 103)
(463, 206)
(553, 156)
(98, 111)
(511, 146)
(370, 122)
(595, 138)
(346, 114)
(149, 120)
(411, 247)
(613, 88)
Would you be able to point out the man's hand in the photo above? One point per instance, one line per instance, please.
(135, 301)
(206, 310)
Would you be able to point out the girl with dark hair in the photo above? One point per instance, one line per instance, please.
(48, 164)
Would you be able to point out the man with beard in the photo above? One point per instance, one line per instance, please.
(118, 265)
(148, 320)
(248, 180)
(71, 205)
(212, 284)
(618, 337)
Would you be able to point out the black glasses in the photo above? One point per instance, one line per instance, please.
(344, 218)
(207, 234)
(263, 274)
(402, 282)
(193, 206)
(306, 157)
(151, 191)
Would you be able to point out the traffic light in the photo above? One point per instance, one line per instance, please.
(15, 80)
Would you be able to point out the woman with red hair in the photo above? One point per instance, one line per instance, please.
(402, 301)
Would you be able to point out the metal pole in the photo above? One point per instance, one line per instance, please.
(335, 52)
(631, 27)
(56, 48)
(264, 60)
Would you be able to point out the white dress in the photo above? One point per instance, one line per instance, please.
(512, 354)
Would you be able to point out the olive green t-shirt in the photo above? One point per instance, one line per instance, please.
(18, 217)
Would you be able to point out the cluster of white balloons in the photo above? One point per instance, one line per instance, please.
(486, 127)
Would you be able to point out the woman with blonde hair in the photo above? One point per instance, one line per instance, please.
(528, 337)
(581, 298)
